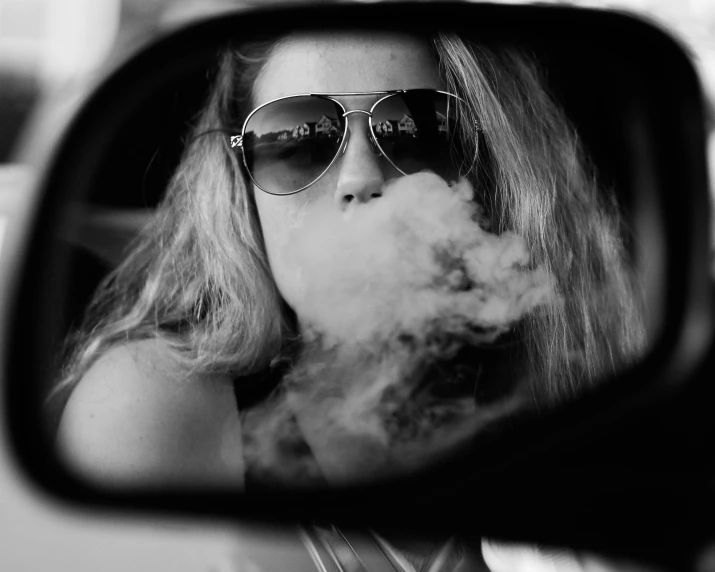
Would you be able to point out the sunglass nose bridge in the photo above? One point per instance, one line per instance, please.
(368, 113)
(371, 138)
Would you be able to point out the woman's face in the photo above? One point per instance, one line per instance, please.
(344, 62)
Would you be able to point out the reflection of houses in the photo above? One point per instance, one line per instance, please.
(442, 123)
(406, 126)
(384, 128)
(284, 135)
(388, 127)
(305, 130)
(327, 127)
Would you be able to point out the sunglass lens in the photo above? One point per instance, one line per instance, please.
(417, 131)
(289, 143)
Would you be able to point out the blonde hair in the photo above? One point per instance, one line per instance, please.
(199, 279)
(541, 186)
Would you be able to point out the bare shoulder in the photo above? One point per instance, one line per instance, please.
(134, 417)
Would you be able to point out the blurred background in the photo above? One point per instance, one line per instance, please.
(49, 49)
(49, 45)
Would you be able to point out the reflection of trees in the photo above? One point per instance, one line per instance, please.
(325, 127)
(273, 136)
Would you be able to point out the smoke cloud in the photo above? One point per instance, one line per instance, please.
(400, 300)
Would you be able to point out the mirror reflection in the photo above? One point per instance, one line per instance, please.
(374, 246)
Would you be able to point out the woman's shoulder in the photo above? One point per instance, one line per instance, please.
(135, 417)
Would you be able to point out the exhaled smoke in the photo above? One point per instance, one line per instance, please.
(400, 300)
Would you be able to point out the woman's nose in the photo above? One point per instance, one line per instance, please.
(360, 177)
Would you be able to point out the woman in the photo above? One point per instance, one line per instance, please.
(208, 298)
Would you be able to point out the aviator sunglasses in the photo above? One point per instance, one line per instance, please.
(289, 143)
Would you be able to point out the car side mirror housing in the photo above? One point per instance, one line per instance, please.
(634, 98)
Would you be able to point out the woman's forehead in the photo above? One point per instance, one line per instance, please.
(346, 62)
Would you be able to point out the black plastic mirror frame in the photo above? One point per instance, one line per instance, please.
(561, 465)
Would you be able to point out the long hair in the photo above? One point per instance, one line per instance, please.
(199, 279)
(540, 185)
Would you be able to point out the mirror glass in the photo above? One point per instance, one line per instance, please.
(329, 256)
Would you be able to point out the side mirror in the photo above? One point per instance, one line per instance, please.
(597, 442)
